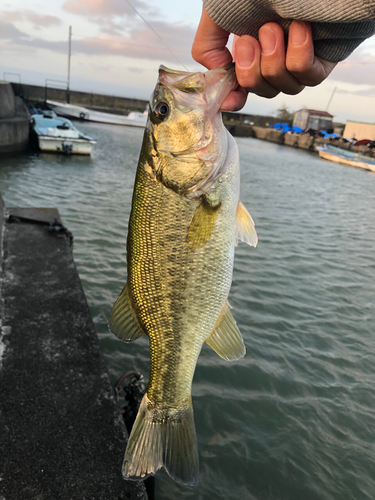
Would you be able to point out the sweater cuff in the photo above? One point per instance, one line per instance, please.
(333, 41)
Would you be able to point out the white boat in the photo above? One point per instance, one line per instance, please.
(58, 135)
(344, 157)
(133, 119)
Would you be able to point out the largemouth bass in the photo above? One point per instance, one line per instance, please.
(186, 217)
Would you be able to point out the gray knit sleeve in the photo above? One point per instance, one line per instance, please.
(338, 26)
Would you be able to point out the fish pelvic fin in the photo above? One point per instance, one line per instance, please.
(245, 227)
(124, 322)
(226, 339)
(162, 438)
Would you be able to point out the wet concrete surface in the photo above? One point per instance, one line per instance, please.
(61, 432)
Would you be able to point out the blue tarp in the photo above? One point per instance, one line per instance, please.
(326, 135)
(296, 130)
(285, 127)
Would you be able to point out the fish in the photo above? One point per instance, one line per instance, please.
(185, 222)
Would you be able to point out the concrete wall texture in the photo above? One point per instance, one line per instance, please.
(88, 99)
(7, 101)
(14, 121)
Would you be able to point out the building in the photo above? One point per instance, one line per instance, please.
(312, 119)
(359, 130)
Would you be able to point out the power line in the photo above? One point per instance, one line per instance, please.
(157, 34)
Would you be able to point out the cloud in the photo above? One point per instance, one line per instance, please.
(99, 10)
(368, 92)
(135, 70)
(37, 20)
(140, 43)
(114, 17)
(358, 69)
(355, 72)
(40, 20)
(11, 33)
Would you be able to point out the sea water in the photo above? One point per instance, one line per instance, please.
(295, 418)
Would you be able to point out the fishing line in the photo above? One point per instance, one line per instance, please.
(157, 34)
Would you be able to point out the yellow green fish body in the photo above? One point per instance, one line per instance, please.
(185, 218)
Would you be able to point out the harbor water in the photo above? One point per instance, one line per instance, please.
(295, 418)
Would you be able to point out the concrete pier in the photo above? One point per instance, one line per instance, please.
(61, 432)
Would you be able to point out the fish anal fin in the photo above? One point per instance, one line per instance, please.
(226, 339)
(245, 227)
(124, 322)
(202, 224)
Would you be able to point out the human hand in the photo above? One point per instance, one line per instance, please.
(264, 68)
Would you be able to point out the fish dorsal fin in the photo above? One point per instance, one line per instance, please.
(124, 322)
(245, 227)
(226, 339)
(202, 224)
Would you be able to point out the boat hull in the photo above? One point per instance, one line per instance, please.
(67, 146)
(346, 158)
(134, 119)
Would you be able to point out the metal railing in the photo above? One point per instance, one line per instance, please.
(62, 82)
(14, 74)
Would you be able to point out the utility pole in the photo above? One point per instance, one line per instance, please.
(69, 56)
(330, 99)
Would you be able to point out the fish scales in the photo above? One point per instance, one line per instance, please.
(180, 249)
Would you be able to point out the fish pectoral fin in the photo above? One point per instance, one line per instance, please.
(124, 322)
(245, 227)
(202, 224)
(226, 339)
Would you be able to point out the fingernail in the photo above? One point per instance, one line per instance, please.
(298, 33)
(267, 41)
(244, 54)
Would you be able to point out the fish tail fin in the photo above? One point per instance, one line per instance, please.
(162, 440)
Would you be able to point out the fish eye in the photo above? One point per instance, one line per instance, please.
(162, 110)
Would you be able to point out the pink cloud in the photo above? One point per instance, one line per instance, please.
(106, 8)
(359, 68)
(141, 43)
(37, 20)
(8, 16)
(40, 20)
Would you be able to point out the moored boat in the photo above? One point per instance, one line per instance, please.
(344, 157)
(133, 119)
(58, 135)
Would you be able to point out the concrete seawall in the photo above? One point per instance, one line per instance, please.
(62, 433)
(14, 121)
(305, 141)
(88, 99)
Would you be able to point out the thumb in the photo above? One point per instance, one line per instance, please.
(209, 46)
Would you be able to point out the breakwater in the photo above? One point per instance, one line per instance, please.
(101, 102)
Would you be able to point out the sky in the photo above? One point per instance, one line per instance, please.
(116, 52)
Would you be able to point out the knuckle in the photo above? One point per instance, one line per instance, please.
(272, 71)
(269, 94)
(248, 81)
(298, 67)
(196, 52)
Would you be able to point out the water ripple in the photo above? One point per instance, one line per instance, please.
(295, 418)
